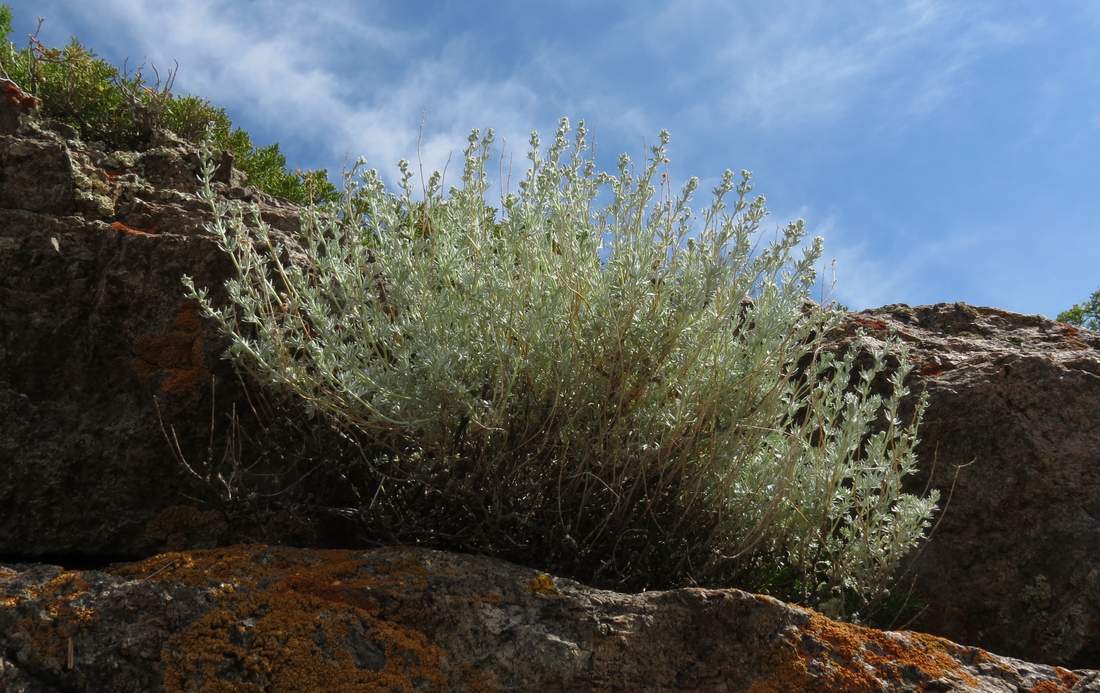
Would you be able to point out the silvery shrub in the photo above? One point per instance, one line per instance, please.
(596, 377)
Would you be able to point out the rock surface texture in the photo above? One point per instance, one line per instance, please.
(1012, 423)
(257, 618)
(93, 327)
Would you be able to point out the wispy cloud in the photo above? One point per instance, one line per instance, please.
(801, 63)
(353, 79)
(288, 65)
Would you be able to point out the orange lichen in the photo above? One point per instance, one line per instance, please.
(832, 655)
(930, 368)
(297, 620)
(787, 670)
(1066, 681)
(59, 616)
(542, 584)
(131, 230)
(18, 97)
(871, 323)
(176, 355)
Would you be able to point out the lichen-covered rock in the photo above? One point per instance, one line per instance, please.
(258, 618)
(1011, 436)
(93, 327)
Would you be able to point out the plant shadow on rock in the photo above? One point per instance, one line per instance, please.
(272, 470)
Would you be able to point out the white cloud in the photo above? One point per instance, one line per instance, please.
(345, 78)
(285, 65)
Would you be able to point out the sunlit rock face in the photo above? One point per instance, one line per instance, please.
(1011, 437)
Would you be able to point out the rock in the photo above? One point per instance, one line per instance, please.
(264, 618)
(94, 327)
(14, 104)
(1014, 565)
(36, 176)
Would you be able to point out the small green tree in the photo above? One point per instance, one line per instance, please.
(123, 110)
(1085, 314)
(628, 394)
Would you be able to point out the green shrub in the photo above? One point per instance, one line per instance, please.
(123, 110)
(627, 394)
(1085, 314)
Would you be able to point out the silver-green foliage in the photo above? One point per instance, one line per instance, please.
(639, 382)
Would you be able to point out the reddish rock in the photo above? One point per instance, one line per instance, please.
(1014, 565)
(14, 104)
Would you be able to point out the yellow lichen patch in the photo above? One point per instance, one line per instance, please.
(298, 620)
(542, 584)
(840, 656)
(177, 354)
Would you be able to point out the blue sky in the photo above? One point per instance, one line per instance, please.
(947, 151)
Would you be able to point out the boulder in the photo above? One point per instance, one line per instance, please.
(255, 618)
(1011, 438)
(100, 353)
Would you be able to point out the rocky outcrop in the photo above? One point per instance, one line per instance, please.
(1011, 427)
(94, 327)
(253, 618)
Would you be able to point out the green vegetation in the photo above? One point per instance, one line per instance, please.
(1085, 314)
(632, 394)
(123, 110)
